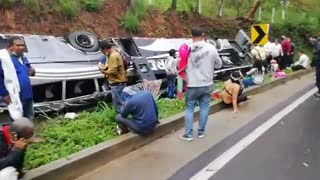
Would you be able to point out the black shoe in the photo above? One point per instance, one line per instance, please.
(21, 174)
(186, 137)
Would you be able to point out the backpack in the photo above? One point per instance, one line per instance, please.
(125, 58)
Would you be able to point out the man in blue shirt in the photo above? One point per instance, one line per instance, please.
(143, 109)
(16, 48)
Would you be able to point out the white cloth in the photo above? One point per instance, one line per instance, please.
(277, 51)
(9, 173)
(303, 61)
(171, 65)
(12, 85)
(257, 77)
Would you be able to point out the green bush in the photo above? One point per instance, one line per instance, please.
(6, 3)
(32, 5)
(140, 10)
(68, 8)
(63, 137)
(92, 5)
(134, 16)
(66, 136)
(300, 26)
(131, 22)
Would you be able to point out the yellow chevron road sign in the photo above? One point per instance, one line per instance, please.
(259, 34)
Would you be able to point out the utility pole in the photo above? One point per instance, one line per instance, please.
(284, 4)
(200, 6)
(131, 3)
(220, 8)
(238, 8)
(272, 16)
(260, 13)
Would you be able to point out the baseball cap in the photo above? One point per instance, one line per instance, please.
(198, 31)
(105, 44)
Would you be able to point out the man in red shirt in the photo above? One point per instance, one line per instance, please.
(286, 48)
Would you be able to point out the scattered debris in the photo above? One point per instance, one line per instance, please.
(70, 115)
(305, 164)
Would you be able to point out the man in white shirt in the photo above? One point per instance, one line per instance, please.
(268, 47)
(303, 62)
(258, 52)
(277, 52)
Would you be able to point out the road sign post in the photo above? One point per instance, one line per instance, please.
(259, 34)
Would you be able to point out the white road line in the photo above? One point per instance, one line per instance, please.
(228, 155)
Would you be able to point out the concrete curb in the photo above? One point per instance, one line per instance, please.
(88, 159)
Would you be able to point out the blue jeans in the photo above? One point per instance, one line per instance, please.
(171, 86)
(129, 123)
(202, 97)
(28, 109)
(117, 100)
(248, 82)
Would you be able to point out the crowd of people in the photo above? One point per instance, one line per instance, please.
(137, 110)
(273, 58)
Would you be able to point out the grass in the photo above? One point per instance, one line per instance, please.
(69, 8)
(6, 3)
(64, 137)
(218, 85)
(92, 5)
(133, 17)
(130, 22)
(168, 107)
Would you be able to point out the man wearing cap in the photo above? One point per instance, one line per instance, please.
(143, 109)
(202, 61)
(115, 73)
(15, 84)
(13, 144)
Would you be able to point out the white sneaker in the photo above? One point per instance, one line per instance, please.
(119, 130)
(200, 136)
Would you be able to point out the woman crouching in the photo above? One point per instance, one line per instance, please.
(232, 93)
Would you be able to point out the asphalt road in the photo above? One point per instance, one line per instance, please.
(288, 150)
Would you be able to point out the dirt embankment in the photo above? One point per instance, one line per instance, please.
(107, 22)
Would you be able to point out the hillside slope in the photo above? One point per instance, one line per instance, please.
(107, 22)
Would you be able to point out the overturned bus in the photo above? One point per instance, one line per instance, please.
(67, 73)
